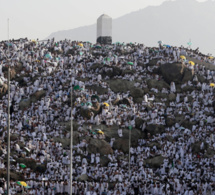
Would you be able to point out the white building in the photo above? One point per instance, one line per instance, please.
(104, 29)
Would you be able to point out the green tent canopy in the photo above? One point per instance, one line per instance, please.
(107, 59)
(98, 47)
(77, 87)
(95, 97)
(22, 165)
(130, 63)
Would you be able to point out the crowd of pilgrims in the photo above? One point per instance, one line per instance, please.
(56, 67)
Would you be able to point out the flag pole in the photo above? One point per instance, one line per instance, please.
(129, 156)
(71, 144)
(8, 121)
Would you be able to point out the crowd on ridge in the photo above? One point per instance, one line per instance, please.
(38, 126)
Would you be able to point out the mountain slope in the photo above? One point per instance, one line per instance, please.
(174, 22)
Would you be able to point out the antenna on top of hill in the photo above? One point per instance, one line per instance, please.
(189, 44)
(8, 29)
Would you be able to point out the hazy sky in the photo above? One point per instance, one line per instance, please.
(39, 18)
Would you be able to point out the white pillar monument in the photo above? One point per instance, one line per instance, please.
(104, 29)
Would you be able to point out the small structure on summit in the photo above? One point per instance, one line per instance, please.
(104, 29)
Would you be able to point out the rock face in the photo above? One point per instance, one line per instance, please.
(83, 177)
(96, 108)
(137, 93)
(138, 123)
(121, 144)
(170, 122)
(13, 176)
(152, 83)
(172, 97)
(155, 162)
(176, 72)
(30, 163)
(99, 146)
(25, 103)
(86, 113)
(3, 90)
(38, 95)
(154, 129)
(120, 85)
(100, 90)
(107, 70)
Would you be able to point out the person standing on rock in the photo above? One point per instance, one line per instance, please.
(120, 132)
(172, 87)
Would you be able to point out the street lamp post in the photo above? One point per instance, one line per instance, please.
(71, 144)
(129, 154)
(8, 133)
(8, 59)
(8, 125)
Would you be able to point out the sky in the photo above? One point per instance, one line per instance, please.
(39, 18)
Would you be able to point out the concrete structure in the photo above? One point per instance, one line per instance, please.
(104, 29)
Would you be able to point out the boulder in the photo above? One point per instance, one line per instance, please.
(3, 90)
(12, 72)
(68, 126)
(152, 144)
(155, 129)
(24, 104)
(196, 147)
(152, 62)
(152, 83)
(209, 153)
(66, 141)
(121, 144)
(115, 102)
(100, 90)
(138, 123)
(155, 162)
(114, 71)
(201, 79)
(138, 100)
(99, 146)
(128, 72)
(188, 124)
(188, 75)
(120, 85)
(137, 93)
(21, 81)
(159, 95)
(83, 177)
(96, 108)
(13, 175)
(176, 72)
(179, 118)
(14, 137)
(170, 122)
(104, 160)
(30, 163)
(37, 95)
(188, 88)
(124, 101)
(172, 97)
(86, 113)
(40, 168)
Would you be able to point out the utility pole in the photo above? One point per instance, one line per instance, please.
(129, 154)
(8, 60)
(71, 150)
(8, 123)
